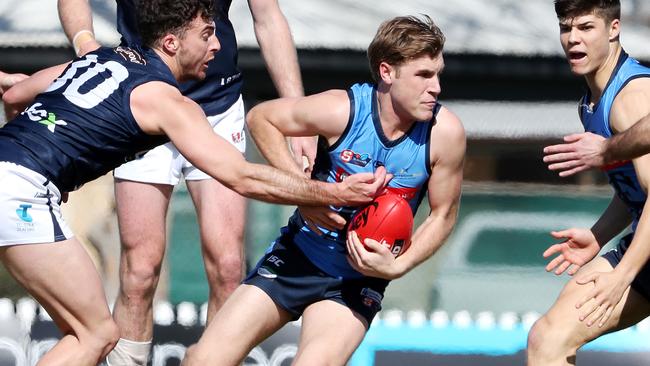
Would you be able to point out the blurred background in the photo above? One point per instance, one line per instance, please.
(505, 77)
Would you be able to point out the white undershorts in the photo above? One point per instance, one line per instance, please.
(165, 165)
(29, 208)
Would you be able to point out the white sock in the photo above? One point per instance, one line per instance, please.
(129, 353)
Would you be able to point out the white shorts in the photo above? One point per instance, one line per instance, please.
(165, 165)
(29, 208)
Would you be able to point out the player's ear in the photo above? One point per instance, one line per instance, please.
(614, 30)
(386, 72)
(169, 43)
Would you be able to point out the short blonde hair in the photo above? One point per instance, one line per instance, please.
(402, 39)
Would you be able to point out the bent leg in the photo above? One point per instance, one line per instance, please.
(555, 338)
(141, 213)
(330, 333)
(221, 214)
(62, 277)
(246, 318)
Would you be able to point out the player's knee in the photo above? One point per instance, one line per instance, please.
(140, 279)
(228, 269)
(545, 339)
(231, 267)
(102, 337)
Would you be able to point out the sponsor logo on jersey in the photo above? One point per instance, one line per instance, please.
(370, 297)
(403, 173)
(129, 54)
(237, 137)
(350, 157)
(43, 117)
(230, 79)
(22, 213)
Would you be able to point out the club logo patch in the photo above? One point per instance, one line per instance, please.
(351, 157)
(371, 298)
(130, 54)
(23, 214)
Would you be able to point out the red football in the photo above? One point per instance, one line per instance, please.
(387, 219)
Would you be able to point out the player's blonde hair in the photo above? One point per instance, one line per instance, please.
(402, 39)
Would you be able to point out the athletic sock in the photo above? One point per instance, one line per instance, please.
(129, 353)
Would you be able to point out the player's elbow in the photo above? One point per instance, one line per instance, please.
(13, 97)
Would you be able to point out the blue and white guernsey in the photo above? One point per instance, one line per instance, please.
(82, 126)
(595, 119)
(362, 148)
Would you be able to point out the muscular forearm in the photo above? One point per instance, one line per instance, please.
(426, 241)
(77, 22)
(629, 144)
(279, 53)
(271, 185)
(270, 142)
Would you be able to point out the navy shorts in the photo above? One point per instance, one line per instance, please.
(641, 283)
(293, 283)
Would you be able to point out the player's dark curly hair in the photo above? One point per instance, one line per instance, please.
(159, 17)
(402, 39)
(606, 9)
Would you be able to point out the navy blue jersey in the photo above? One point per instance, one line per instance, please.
(595, 119)
(82, 127)
(223, 82)
(362, 148)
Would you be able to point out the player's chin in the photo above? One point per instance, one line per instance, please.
(200, 75)
(424, 115)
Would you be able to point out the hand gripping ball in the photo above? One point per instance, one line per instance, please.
(388, 219)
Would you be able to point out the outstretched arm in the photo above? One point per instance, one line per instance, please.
(584, 151)
(77, 22)
(279, 54)
(447, 156)
(160, 109)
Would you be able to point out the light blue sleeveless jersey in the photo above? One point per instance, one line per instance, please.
(621, 176)
(362, 148)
